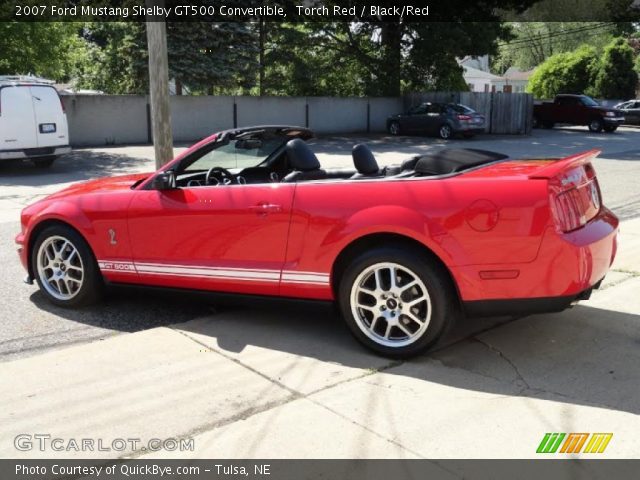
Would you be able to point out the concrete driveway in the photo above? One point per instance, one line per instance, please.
(289, 382)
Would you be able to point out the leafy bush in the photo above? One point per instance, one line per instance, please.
(569, 72)
(616, 77)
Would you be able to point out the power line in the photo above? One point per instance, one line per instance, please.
(547, 36)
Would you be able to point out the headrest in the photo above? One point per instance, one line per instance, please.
(300, 156)
(364, 160)
(451, 160)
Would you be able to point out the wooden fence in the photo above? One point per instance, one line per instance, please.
(506, 113)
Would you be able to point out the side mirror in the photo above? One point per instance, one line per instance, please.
(164, 181)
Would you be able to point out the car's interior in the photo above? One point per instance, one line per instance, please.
(257, 157)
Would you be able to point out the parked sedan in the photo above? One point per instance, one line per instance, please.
(631, 111)
(441, 119)
(403, 250)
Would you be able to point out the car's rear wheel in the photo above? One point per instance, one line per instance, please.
(596, 125)
(610, 128)
(394, 128)
(65, 268)
(445, 131)
(43, 162)
(396, 302)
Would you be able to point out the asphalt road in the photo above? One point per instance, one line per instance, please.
(31, 325)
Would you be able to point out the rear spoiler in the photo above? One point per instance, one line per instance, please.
(563, 164)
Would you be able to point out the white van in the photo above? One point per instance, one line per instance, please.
(33, 123)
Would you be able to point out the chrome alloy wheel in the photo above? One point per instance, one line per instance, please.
(390, 304)
(60, 268)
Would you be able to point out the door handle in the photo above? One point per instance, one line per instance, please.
(265, 208)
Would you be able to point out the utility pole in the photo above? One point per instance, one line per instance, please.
(159, 86)
(262, 28)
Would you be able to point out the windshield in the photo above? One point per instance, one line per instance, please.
(589, 102)
(244, 152)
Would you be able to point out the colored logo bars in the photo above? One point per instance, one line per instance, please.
(573, 442)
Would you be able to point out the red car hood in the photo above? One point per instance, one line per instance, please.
(120, 182)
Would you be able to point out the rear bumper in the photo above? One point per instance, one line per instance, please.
(567, 267)
(34, 152)
(470, 129)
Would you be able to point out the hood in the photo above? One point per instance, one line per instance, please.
(607, 109)
(120, 182)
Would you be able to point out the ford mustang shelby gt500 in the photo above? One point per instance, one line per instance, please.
(402, 249)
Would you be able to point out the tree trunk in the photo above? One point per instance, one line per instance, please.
(261, 68)
(178, 87)
(391, 37)
(159, 89)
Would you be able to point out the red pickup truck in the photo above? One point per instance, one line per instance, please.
(577, 110)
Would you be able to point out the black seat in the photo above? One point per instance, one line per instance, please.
(303, 161)
(364, 162)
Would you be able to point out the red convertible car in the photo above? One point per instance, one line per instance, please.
(403, 249)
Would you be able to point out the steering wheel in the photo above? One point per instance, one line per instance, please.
(225, 176)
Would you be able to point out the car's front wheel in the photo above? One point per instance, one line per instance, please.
(596, 125)
(65, 268)
(396, 301)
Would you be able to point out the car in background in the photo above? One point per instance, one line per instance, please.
(441, 119)
(576, 110)
(33, 123)
(631, 111)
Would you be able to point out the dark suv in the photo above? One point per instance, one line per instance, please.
(442, 119)
(577, 110)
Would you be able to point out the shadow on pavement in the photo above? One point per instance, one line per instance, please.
(77, 166)
(583, 356)
(127, 310)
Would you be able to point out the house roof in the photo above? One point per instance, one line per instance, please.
(514, 73)
(470, 72)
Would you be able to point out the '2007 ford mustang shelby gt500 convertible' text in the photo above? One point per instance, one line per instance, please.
(402, 249)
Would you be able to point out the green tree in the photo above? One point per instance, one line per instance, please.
(117, 58)
(207, 54)
(47, 49)
(569, 72)
(616, 77)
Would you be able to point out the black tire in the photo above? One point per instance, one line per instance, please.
(92, 285)
(440, 295)
(445, 131)
(610, 128)
(548, 125)
(394, 128)
(596, 125)
(43, 162)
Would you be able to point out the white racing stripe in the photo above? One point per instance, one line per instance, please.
(253, 275)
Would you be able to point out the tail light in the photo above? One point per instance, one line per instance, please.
(575, 197)
(464, 117)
